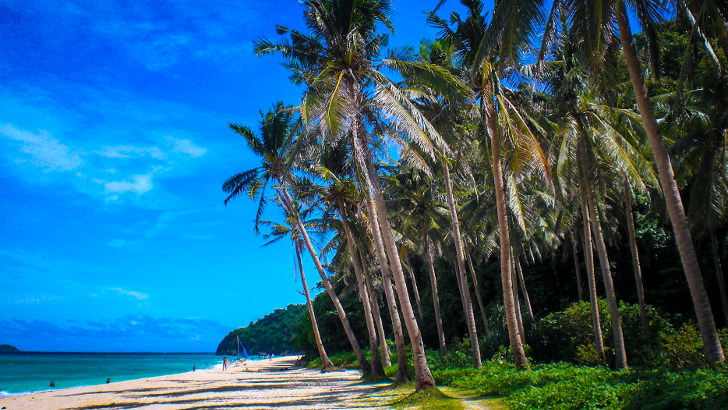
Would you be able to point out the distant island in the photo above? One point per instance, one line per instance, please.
(274, 333)
(8, 349)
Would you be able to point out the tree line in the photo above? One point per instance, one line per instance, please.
(520, 132)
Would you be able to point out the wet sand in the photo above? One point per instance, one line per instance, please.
(277, 383)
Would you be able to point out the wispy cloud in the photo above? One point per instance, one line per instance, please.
(134, 294)
(119, 243)
(187, 147)
(137, 184)
(129, 151)
(41, 149)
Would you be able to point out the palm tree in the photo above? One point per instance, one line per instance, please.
(331, 167)
(273, 146)
(278, 232)
(595, 27)
(335, 64)
(421, 215)
(488, 52)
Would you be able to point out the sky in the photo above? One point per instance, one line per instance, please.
(114, 144)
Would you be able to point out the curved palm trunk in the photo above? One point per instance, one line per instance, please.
(403, 375)
(435, 294)
(363, 363)
(619, 351)
(460, 254)
(589, 263)
(519, 354)
(516, 300)
(719, 273)
(415, 290)
(325, 361)
(372, 185)
(579, 286)
(376, 361)
(636, 261)
(620, 354)
(524, 290)
(706, 322)
(382, 336)
(478, 296)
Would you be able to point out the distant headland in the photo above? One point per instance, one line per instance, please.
(8, 349)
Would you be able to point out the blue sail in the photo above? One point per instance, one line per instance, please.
(245, 352)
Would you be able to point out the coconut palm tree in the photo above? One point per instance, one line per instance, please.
(344, 93)
(338, 193)
(488, 53)
(595, 27)
(289, 229)
(273, 146)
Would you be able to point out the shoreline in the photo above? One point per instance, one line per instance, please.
(261, 383)
(4, 394)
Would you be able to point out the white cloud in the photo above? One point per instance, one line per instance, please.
(138, 184)
(44, 150)
(122, 243)
(134, 294)
(128, 151)
(187, 147)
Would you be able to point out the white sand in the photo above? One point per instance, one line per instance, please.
(260, 384)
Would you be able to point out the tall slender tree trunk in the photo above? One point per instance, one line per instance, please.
(372, 186)
(719, 274)
(591, 279)
(376, 361)
(524, 290)
(363, 363)
(579, 287)
(519, 355)
(386, 354)
(403, 375)
(636, 260)
(415, 290)
(460, 255)
(516, 300)
(619, 350)
(706, 322)
(429, 260)
(486, 325)
(325, 361)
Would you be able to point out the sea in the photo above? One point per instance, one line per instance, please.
(27, 372)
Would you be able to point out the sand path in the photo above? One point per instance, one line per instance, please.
(262, 384)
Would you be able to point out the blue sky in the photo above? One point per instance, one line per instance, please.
(113, 147)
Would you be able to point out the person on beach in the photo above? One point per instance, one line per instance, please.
(108, 380)
(194, 367)
(224, 363)
(53, 383)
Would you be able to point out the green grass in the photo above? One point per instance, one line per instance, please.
(554, 386)
(565, 386)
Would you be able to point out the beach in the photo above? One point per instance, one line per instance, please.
(259, 384)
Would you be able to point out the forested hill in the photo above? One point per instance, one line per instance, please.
(8, 349)
(274, 333)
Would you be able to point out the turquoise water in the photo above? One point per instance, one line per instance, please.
(27, 372)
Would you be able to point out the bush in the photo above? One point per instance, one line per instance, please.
(683, 349)
(568, 335)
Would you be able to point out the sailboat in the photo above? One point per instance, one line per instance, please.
(245, 352)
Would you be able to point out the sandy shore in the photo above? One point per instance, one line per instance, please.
(262, 384)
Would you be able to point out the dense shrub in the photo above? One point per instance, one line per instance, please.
(566, 386)
(568, 335)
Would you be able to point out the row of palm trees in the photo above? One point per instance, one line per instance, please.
(549, 139)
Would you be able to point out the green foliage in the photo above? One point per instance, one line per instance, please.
(683, 349)
(566, 386)
(568, 335)
(274, 333)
